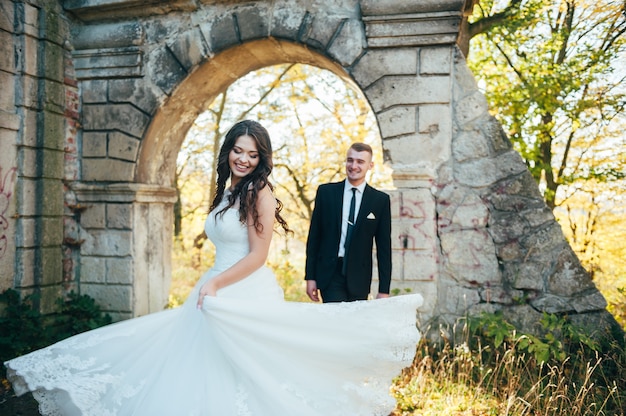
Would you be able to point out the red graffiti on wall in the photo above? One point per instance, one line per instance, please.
(6, 191)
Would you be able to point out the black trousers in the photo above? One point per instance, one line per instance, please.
(337, 290)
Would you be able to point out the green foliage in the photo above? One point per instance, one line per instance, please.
(78, 313)
(23, 328)
(560, 337)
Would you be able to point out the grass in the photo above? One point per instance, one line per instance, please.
(476, 378)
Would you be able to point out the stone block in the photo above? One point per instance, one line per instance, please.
(53, 96)
(505, 227)
(7, 59)
(435, 61)
(469, 212)
(26, 197)
(94, 91)
(116, 298)
(418, 152)
(25, 267)
(528, 275)
(48, 299)
(397, 121)
(394, 90)
(119, 216)
(464, 81)
(493, 131)
(123, 62)
(569, 277)
(286, 21)
(107, 243)
(378, 63)
(165, 70)
(51, 231)
(94, 217)
(7, 14)
(509, 252)
(411, 30)
(53, 24)
(538, 216)
(110, 170)
(51, 194)
(52, 163)
(456, 300)
(27, 233)
(471, 257)
(133, 91)
(121, 117)
(593, 301)
(552, 304)
(30, 93)
(28, 161)
(122, 146)
(515, 194)
(108, 35)
(31, 20)
(470, 108)
(253, 21)
(221, 32)
(94, 144)
(422, 265)
(544, 239)
(119, 270)
(349, 43)
(53, 58)
(9, 124)
(51, 265)
(434, 127)
(92, 269)
(7, 98)
(189, 48)
(484, 172)
(469, 145)
(29, 135)
(53, 125)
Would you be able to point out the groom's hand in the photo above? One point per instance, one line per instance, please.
(311, 290)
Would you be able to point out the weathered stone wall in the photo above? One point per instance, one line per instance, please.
(33, 124)
(470, 229)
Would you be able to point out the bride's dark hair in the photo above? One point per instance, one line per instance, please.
(247, 189)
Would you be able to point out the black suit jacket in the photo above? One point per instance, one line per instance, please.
(373, 223)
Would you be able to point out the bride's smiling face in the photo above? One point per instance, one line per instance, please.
(243, 158)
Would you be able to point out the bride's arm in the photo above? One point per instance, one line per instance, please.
(259, 248)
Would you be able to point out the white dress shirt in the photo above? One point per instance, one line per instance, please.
(347, 195)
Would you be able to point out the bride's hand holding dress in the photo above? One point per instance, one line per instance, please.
(259, 241)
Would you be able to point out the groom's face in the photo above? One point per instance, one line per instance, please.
(357, 165)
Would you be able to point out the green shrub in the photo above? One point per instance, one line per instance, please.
(24, 329)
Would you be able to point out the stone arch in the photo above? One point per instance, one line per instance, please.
(157, 157)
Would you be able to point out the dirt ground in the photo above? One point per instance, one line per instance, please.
(10, 405)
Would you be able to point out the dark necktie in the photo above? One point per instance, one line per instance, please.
(346, 244)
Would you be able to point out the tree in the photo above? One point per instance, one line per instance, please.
(549, 72)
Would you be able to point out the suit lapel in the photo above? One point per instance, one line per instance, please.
(337, 202)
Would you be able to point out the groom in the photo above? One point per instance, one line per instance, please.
(348, 217)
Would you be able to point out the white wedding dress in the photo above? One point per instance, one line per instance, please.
(246, 353)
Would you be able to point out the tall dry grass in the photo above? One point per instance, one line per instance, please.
(478, 377)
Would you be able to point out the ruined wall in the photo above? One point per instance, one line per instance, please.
(36, 113)
(470, 229)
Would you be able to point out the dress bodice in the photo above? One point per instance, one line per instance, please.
(229, 236)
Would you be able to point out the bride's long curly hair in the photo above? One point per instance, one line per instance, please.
(247, 189)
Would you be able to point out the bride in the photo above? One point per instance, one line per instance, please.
(234, 347)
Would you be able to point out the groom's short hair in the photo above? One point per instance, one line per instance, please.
(362, 147)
